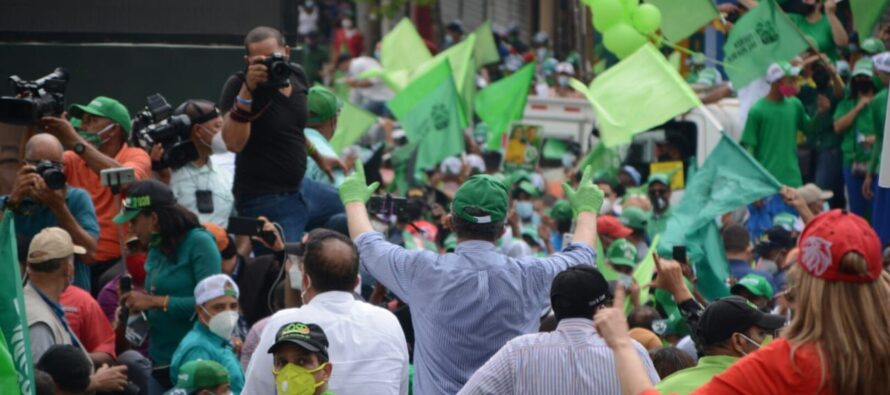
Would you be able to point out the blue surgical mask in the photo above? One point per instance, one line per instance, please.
(562, 80)
(525, 209)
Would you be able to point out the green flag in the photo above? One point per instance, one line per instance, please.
(429, 110)
(603, 159)
(643, 80)
(8, 375)
(463, 70)
(866, 14)
(644, 270)
(730, 178)
(608, 273)
(13, 320)
(681, 18)
(503, 102)
(485, 51)
(763, 36)
(352, 123)
(402, 48)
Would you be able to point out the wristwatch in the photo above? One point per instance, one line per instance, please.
(79, 148)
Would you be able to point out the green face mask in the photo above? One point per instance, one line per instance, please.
(154, 240)
(95, 139)
(297, 380)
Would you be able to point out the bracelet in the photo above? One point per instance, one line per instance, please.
(235, 116)
(242, 101)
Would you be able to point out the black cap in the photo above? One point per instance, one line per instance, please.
(577, 291)
(144, 195)
(734, 314)
(775, 238)
(69, 367)
(309, 336)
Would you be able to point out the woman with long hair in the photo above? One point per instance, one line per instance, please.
(180, 254)
(837, 341)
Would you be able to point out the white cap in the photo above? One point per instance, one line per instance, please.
(778, 70)
(215, 286)
(882, 62)
(565, 68)
(476, 163)
(450, 166)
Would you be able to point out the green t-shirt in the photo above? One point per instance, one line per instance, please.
(771, 136)
(820, 31)
(688, 380)
(656, 224)
(822, 136)
(196, 258)
(879, 115)
(863, 125)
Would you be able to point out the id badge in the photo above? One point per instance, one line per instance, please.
(205, 201)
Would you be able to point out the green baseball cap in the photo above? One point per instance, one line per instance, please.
(634, 217)
(785, 220)
(144, 195)
(622, 252)
(528, 188)
(872, 46)
(481, 192)
(756, 284)
(561, 210)
(323, 104)
(200, 374)
(864, 67)
(104, 107)
(660, 177)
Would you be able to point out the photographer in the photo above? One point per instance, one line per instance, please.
(37, 205)
(201, 186)
(266, 113)
(100, 144)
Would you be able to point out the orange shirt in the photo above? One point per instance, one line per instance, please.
(87, 321)
(82, 176)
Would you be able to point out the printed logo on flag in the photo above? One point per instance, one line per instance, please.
(816, 255)
(440, 116)
(767, 32)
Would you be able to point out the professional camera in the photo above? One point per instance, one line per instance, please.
(34, 99)
(51, 173)
(154, 125)
(279, 70)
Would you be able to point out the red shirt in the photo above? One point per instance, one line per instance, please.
(355, 44)
(81, 175)
(87, 321)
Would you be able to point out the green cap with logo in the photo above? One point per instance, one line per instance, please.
(200, 374)
(864, 67)
(484, 193)
(104, 107)
(323, 104)
(660, 177)
(622, 253)
(872, 46)
(756, 284)
(785, 220)
(144, 195)
(561, 210)
(634, 217)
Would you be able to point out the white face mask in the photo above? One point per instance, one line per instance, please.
(606, 208)
(223, 324)
(768, 265)
(347, 24)
(217, 144)
(295, 274)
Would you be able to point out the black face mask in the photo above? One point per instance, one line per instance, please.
(861, 87)
(807, 9)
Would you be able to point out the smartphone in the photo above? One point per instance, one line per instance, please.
(117, 176)
(137, 329)
(679, 254)
(247, 226)
(387, 205)
(126, 283)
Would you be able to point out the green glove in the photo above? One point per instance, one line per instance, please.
(355, 189)
(588, 197)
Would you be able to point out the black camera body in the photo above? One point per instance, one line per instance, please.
(279, 70)
(34, 99)
(52, 174)
(155, 125)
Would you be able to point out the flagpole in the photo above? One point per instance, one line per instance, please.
(710, 117)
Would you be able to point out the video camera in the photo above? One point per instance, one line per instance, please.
(279, 70)
(34, 99)
(155, 124)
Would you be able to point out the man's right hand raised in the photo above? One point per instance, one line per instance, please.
(257, 73)
(588, 197)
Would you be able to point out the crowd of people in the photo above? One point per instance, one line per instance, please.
(272, 263)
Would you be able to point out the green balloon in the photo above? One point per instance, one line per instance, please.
(623, 40)
(647, 18)
(629, 7)
(606, 13)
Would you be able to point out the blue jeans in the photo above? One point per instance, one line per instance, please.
(858, 204)
(287, 209)
(323, 202)
(880, 215)
(829, 175)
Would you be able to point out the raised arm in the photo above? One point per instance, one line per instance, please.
(586, 202)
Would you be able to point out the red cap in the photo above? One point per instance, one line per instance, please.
(610, 226)
(829, 237)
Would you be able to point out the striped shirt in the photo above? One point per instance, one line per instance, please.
(464, 305)
(573, 359)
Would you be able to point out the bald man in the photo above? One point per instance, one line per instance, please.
(36, 206)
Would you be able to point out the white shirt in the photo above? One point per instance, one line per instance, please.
(573, 359)
(366, 345)
(374, 93)
(187, 180)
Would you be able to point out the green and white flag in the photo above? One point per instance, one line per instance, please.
(681, 18)
(503, 102)
(13, 320)
(761, 37)
(352, 123)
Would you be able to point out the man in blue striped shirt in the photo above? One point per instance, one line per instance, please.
(573, 359)
(467, 304)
